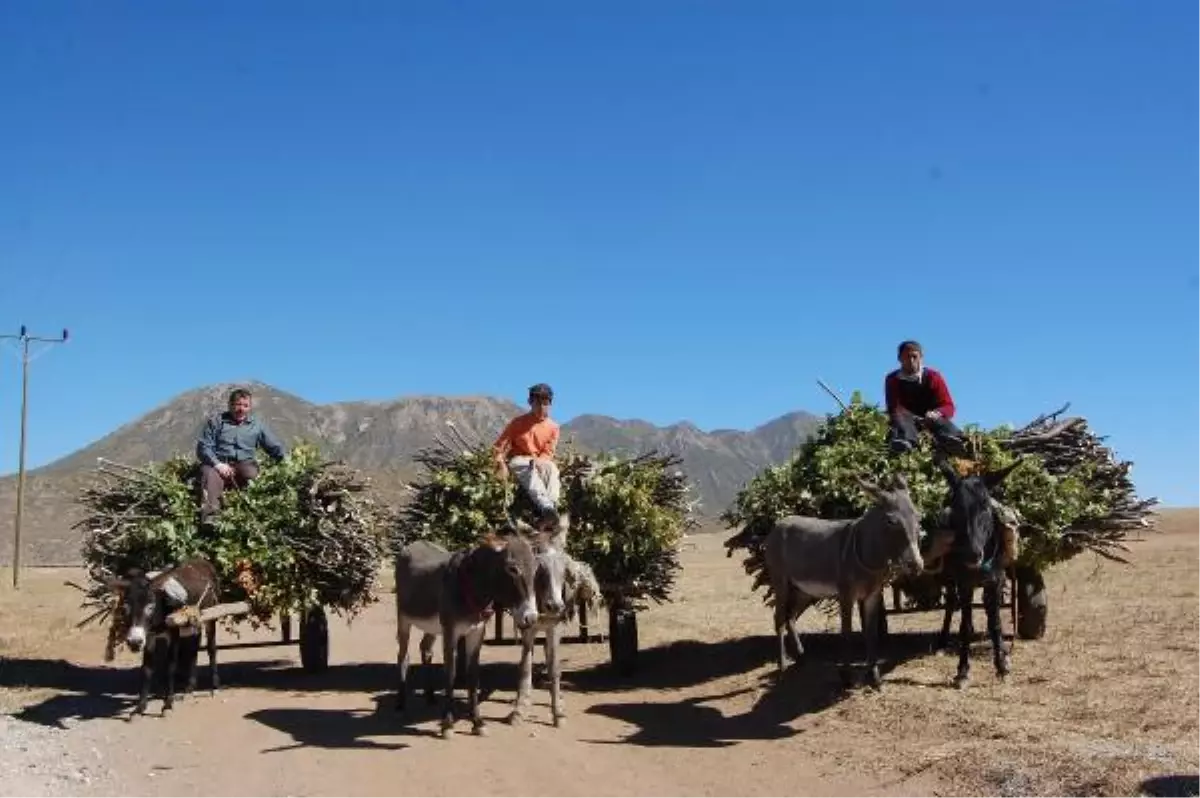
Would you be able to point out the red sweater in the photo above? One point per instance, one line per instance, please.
(918, 397)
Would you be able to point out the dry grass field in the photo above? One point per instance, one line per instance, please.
(1106, 704)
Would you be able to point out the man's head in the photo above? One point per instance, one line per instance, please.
(910, 356)
(239, 404)
(541, 396)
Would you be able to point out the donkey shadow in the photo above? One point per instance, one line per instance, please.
(1172, 785)
(809, 686)
(97, 692)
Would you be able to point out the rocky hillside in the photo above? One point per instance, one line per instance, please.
(380, 437)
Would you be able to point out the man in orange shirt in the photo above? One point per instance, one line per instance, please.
(526, 448)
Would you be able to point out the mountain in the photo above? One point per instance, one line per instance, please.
(381, 438)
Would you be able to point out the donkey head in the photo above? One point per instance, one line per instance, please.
(514, 567)
(144, 603)
(898, 522)
(971, 516)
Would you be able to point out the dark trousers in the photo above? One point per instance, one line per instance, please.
(904, 433)
(213, 484)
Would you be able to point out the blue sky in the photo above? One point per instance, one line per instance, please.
(668, 210)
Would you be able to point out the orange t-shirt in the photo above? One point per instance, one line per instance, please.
(527, 436)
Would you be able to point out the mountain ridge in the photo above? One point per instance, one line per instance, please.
(381, 437)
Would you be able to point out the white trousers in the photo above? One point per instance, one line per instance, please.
(539, 478)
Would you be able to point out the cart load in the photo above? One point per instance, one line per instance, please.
(306, 533)
(1071, 493)
(628, 516)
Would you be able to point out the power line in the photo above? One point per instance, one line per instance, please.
(24, 339)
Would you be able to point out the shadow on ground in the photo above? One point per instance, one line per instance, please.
(688, 663)
(813, 685)
(342, 728)
(89, 692)
(1177, 785)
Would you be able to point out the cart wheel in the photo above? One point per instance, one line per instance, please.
(314, 640)
(623, 639)
(1032, 602)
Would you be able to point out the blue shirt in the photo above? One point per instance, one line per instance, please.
(223, 440)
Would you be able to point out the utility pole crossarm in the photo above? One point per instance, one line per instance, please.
(25, 339)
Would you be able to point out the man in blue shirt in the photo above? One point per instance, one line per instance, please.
(228, 448)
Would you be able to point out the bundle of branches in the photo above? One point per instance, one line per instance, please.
(1069, 490)
(304, 532)
(627, 514)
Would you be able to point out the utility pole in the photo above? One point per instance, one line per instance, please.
(25, 339)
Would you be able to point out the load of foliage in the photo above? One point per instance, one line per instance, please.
(1069, 490)
(305, 532)
(628, 514)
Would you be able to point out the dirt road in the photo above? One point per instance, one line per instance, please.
(1108, 699)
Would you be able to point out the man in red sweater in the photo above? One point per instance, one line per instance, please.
(918, 398)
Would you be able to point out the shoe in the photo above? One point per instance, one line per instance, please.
(549, 520)
(900, 446)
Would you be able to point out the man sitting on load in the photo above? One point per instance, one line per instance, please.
(526, 448)
(227, 451)
(917, 397)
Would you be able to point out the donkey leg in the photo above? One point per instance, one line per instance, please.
(474, 648)
(190, 657)
(525, 675)
(173, 647)
(950, 593)
(403, 634)
(991, 601)
(449, 664)
(800, 603)
(782, 619)
(557, 710)
(427, 641)
(210, 639)
(966, 631)
(846, 605)
(869, 612)
(147, 677)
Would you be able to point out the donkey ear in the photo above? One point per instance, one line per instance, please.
(899, 481)
(948, 471)
(175, 593)
(524, 528)
(993, 478)
(870, 487)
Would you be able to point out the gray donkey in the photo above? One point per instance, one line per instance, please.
(809, 559)
(561, 584)
(453, 595)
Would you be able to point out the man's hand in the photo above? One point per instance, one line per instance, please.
(933, 415)
(225, 470)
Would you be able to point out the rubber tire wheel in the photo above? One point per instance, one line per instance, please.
(623, 640)
(314, 640)
(1032, 604)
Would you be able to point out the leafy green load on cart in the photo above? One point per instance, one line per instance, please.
(305, 532)
(1070, 491)
(628, 514)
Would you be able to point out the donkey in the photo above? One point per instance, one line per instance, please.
(146, 600)
(561, 583)
(454, 595)
(809, 559)
(975, 554)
